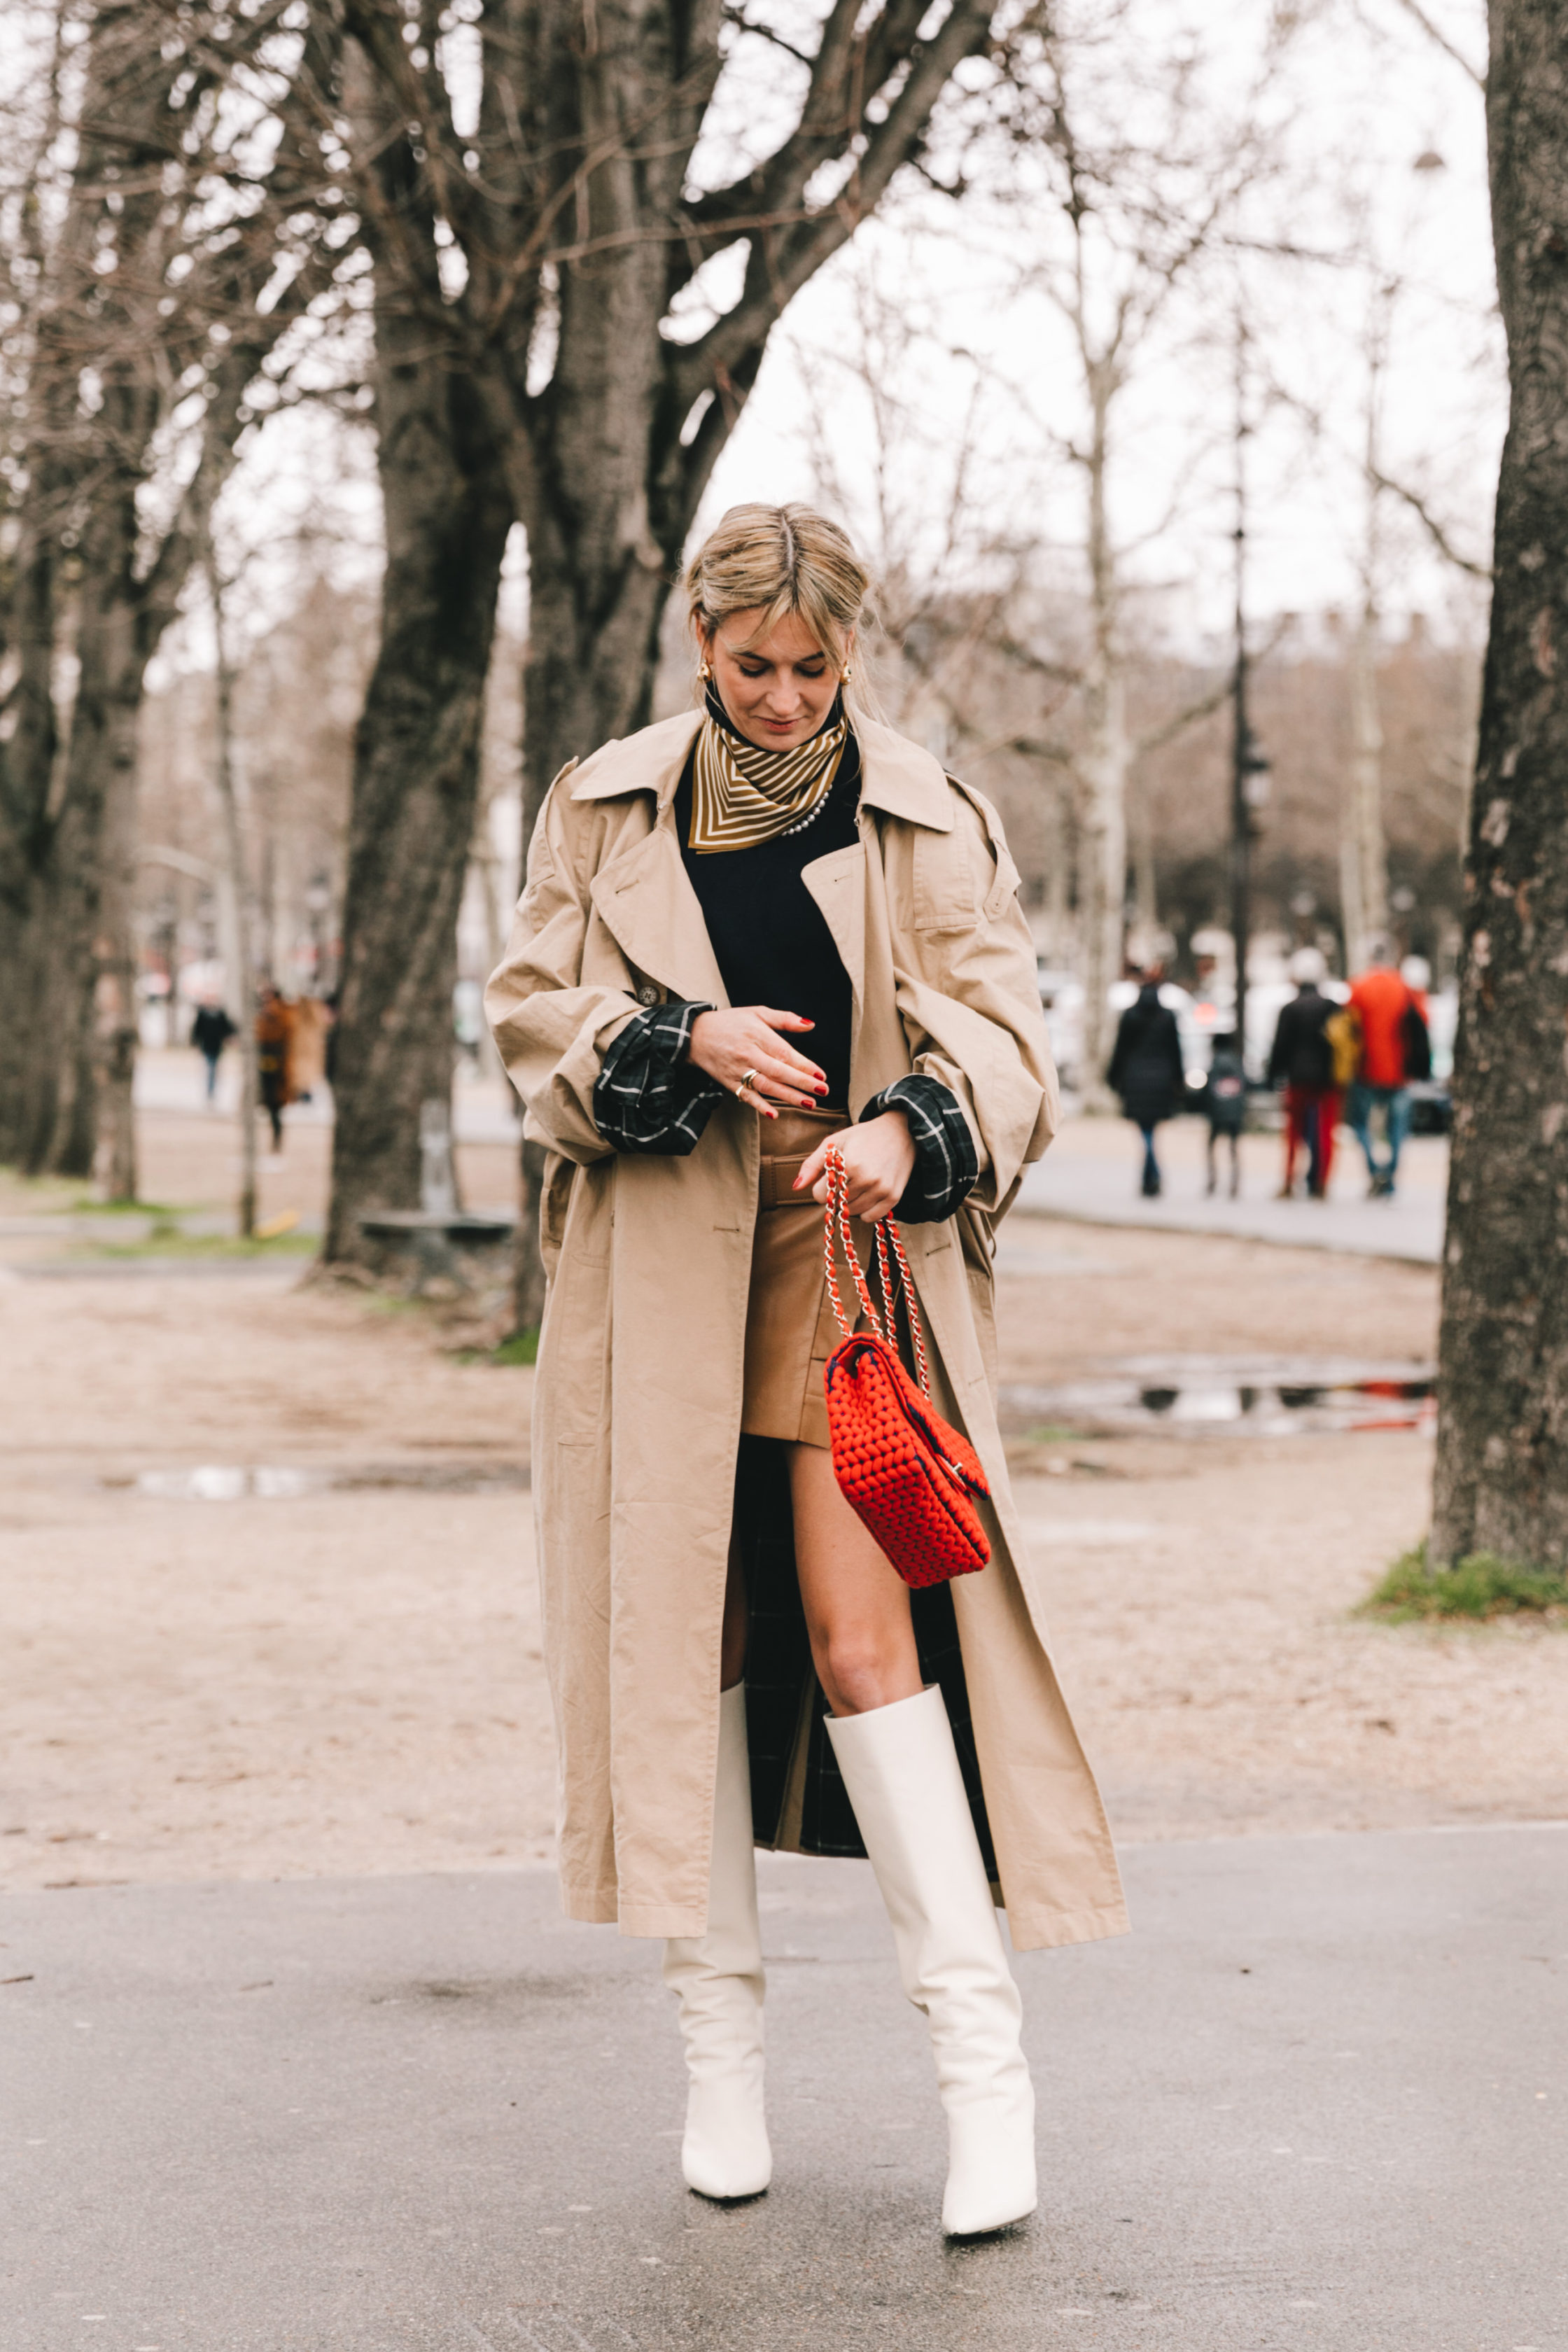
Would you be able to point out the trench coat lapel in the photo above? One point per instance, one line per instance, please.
(644, 897)
(645, 900)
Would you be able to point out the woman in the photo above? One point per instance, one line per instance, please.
(748, 933)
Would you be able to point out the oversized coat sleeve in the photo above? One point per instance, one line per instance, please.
(551, 1027)
(969, 998)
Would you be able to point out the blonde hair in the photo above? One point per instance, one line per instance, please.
(775, 561)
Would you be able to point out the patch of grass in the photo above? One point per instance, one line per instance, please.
(1048, 1432)
(168, 1241)
(1480, 1587)
(87, 1207)
(521, 1347)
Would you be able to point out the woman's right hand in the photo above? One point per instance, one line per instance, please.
(729, 1045)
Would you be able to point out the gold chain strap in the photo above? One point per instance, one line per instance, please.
(835, 1226)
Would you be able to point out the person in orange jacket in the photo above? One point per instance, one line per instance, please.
(1395, 1048)
(274, 1042)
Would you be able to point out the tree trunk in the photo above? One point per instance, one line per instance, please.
(1365, 853)
(416, 780)
(1502, 1480)
(72, 873)
(1105, 759)
(236, 898)
(104, 761)
(1103, 874)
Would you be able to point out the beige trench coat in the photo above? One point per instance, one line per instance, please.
(637, 1408)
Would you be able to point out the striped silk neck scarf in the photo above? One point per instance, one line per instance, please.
(742, 794)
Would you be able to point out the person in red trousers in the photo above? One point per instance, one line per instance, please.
(1302, 1061)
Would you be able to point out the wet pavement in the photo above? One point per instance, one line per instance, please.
(1196, 1396)
(280, 1482)
(1316, 2099)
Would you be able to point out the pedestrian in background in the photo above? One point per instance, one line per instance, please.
(1146, 1068)
(1225, 1104)
(1395, 1048)
(210, 1033)
(274, 1038)
(1303, 1063)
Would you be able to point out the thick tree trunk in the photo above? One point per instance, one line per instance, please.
(71, 929)
(415, 781)
(1502, 1442)
(34, 866)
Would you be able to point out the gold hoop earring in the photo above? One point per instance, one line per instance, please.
(705, 672)
(848, 676)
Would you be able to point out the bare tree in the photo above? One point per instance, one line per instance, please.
(156, 271)
(1141, 180)
(580, 247)
(1501, 1481)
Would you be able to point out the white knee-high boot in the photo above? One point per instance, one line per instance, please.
(719, 1978)
(901, 1771)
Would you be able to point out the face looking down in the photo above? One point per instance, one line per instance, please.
(777, 689)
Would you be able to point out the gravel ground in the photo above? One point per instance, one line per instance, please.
(349, 1681)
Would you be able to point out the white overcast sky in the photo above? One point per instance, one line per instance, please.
(1365, 95)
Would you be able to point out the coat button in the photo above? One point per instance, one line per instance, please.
(648, 993)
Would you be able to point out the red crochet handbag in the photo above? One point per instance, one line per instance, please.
(908, 1476)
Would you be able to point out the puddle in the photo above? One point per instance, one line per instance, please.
(1245, 1399)
(270, 1482)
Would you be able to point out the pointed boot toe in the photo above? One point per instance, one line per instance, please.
(990, 2165)
(725, 2152)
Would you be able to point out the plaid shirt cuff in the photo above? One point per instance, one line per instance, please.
(946, 1168)
(648, 1097)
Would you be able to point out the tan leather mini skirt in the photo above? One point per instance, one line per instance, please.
(790, 1329)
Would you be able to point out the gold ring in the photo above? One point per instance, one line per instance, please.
(748, 1079)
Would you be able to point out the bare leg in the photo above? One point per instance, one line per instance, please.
(856, 1604)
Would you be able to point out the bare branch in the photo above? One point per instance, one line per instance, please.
(1430, 524)
(1434, 33)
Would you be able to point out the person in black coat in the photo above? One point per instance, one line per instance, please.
(1146, 1068)
(1303, 1063)
(210, 1033)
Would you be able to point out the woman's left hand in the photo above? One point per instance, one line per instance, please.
(879, 1161)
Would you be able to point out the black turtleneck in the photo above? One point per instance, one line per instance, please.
(769, 938)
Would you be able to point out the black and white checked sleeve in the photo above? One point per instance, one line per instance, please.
(946, 1168)
(648, 1097)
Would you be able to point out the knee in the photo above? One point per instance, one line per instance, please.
(856, 1674)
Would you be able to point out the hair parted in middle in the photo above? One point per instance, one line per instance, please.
(773, 561)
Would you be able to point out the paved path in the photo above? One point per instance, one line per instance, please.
(1092, 1173)
(1318, 2099)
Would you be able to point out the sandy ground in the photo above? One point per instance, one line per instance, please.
(350, 1680)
